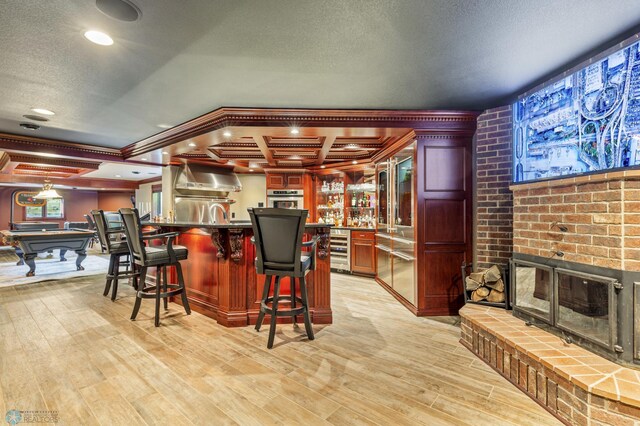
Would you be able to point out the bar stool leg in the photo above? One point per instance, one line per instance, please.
(134, 280)
(141, 282)
(183, 294)
(293, 301)
(274, 313)
(107, 285)
(116, 271)
(158, 287)
(164, 287)
(265, 293)
(305, 303)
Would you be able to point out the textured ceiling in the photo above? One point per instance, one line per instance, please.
(185, 58)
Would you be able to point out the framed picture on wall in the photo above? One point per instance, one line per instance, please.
(26, 199)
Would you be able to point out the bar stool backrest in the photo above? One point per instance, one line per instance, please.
(100, 225)
(90, 221)
(133, 231)
(278, 238)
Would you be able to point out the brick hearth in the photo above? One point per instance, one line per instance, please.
(577, 386)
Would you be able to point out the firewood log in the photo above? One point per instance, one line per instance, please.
(492, 274)
(483, 291)
(471, 284)
(475, 297)
(498, 285)
(477, 277)
(495, 296)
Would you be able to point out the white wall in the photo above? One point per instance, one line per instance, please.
(143, 197)
(254, 190)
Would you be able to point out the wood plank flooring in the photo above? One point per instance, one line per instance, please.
(67, 348)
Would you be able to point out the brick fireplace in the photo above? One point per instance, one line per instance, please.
(582, 237)
(576, 248)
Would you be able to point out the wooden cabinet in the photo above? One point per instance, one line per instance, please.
(284, 181)
(363, 252)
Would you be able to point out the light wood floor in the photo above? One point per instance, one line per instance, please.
(65, 347)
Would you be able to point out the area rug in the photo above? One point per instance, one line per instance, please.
(50, 268)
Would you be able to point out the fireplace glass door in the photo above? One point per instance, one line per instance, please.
(533, 286)
(586, 306)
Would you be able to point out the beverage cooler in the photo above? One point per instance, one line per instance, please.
(395, 237)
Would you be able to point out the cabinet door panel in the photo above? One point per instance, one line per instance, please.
(294, 181)
(363, 256)
(275, 181)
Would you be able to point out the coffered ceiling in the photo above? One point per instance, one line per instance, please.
(182, 59)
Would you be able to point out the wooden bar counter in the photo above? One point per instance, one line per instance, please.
(221, 278)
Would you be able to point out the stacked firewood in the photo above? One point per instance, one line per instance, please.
(486, 285)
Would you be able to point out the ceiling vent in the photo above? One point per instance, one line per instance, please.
(29, 126)
(122, 10)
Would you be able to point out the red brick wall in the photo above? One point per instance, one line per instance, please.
(494, 211)
(601, 213)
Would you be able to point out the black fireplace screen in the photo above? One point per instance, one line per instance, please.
(534, 289)
(584, 306)
(576, 302)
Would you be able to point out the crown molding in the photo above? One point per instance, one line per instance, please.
(414, 119)
(27, 144)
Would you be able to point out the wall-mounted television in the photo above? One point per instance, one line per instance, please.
(586, 122)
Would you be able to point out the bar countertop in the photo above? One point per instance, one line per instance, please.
(232, 225)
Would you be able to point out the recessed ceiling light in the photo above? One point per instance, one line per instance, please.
(295, 131)
(118, 176)
(98, 37)
(165, 126)
(165, 153)
(145, 159)
(29, 126)
(122, 10)
(322, 167)
(226, 134)
(354, 162)
(191, 144)
(43, 111)
(250, 170)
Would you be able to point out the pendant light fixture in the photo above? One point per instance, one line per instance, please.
(47, 191)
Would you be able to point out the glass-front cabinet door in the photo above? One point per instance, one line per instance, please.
(403, 188)
(382, 181)
(404, 192)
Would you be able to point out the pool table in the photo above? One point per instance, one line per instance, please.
(28, 243)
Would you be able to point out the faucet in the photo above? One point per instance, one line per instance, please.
(219, 206)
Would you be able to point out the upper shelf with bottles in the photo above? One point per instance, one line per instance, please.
(330, 199)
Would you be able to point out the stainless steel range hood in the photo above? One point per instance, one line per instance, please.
(204, 181)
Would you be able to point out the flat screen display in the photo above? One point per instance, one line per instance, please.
(586, 122)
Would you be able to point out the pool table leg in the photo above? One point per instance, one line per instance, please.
(20, 255)
(62, 253)
(82, 254)
(29, 259)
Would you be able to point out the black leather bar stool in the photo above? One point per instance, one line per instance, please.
(113, 243)
(159, 257)
(277, 234)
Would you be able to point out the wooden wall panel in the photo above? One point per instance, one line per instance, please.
(446, 166)
(444, 221)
